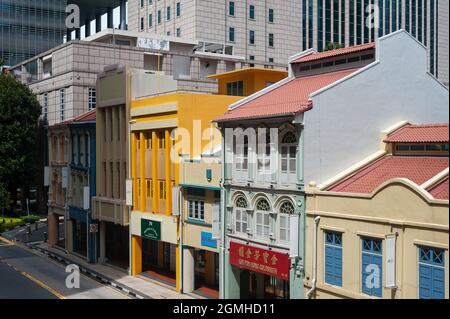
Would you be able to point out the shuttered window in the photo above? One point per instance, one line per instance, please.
(372, 259)
(333, 258)
(431, 273)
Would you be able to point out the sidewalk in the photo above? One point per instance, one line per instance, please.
(144, 287)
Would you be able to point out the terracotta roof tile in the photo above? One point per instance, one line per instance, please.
(440, 191)
(432, 133)
(86, 117)
(417, 169)
(334, 53)
(290, 98)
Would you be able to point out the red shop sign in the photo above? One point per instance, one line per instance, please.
(260, 260)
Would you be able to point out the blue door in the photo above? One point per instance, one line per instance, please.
(431, 273)
(372, 267)
(333, 258)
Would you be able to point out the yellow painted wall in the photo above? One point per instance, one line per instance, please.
(254, 79)
(399, 208)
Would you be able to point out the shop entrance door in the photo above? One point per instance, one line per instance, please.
(149, 254)
(248, 284)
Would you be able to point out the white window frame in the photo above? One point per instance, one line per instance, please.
(287, 217)
(264, 170)
(241, 220)
(265, 215)
(287, 176)
(92, 98)
(196, 209)
(241, 159)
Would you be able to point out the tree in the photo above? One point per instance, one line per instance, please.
(19, 115)
(4, 197)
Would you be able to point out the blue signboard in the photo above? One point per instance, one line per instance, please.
(207, 240)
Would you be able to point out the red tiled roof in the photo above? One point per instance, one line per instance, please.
(334, 53)
(86, 117)
(290, 98)
(417, 169)
(440, 191)
(432, 133)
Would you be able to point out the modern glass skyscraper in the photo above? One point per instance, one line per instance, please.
(345, 22)
(29, 27)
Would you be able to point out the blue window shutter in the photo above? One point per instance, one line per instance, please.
(438, 283)
(378, 260)
(329, 265)
(333, 259)
(425, 282)
(431, 274)
(366, 261)
(338, 266)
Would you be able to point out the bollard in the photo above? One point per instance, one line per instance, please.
(28, 229)
(45, 237)
(36, 226)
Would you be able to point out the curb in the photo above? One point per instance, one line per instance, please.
(92, 274)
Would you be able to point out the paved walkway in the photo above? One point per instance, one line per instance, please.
(146, 286)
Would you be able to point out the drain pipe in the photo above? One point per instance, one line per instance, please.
(314, 281)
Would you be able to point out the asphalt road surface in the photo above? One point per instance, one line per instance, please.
(28, 275)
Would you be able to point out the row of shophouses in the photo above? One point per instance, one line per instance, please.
(327, 181)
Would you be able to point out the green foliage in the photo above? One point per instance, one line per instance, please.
(4, 196)
(10, 223)
(31, 219)
(19, 115)
(2, 62)
(333, 46)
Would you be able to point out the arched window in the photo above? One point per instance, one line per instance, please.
(262, 218)
(240, 215)
(286, 209)
(288, 158)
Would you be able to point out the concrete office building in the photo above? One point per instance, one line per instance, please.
(263, 31)
(28, 28)
(344, 22)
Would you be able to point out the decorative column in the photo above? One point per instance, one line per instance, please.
(142, 174)
(53, 232)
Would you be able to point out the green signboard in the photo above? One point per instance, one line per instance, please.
(150, 229)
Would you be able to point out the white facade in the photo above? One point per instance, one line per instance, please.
(211, 21)
(344, 125)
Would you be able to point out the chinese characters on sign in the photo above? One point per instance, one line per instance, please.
(260, 260)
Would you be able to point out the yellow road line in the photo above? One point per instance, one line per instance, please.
(6, 241)
(40, 283)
